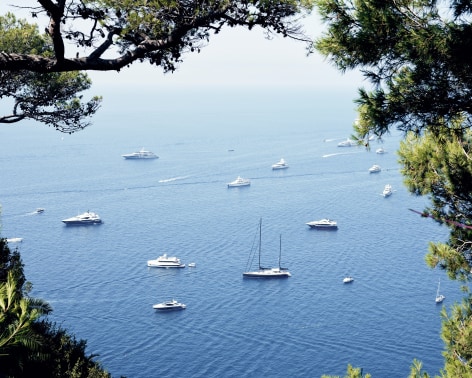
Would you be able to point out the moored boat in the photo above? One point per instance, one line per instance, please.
(14, 240)
(375, 169)
(439, 297)
(86, 218)
(141, 154)
(165, 261)
(387, 190)
(323, 224)
(169, 306)
(281, 164)
(239, 182)
(276, 272)
(347, 143)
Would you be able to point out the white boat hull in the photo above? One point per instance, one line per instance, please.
(152, 264)
(165, 261)
(268, 273)
(169, 306)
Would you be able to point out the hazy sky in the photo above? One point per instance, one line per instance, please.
(242, 58)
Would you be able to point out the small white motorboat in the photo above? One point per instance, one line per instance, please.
(375, 169)
(348, 279)
(387, 190)
(281, 164)
(165, 261)
(323, 224)
(380, 151)
(239, 182)
(192, 265)
(169, 306)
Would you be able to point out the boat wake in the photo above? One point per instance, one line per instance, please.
(174, 179)
(341, 153)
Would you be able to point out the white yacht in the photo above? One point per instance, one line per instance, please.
(387, 190)
(141, 154)
(347, 143)
(169, 306)
(239, 182)
(375, 169)
(323, 224)
(86, 218)
(282, 164)
(165, 261)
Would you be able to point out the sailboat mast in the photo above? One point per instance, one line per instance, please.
(280, 250)
(260, 241)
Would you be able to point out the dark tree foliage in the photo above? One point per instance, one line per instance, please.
(49, 98)
(29, 346)
(416, 55)
(111, 34)
(10, 261)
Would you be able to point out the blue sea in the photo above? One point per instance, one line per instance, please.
(97, 281)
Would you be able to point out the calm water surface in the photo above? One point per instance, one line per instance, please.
(310, 324)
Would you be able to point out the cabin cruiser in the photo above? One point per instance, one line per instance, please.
(375, 169)
(324, 224)
(387, 190)
(88, 217)
(141, 154)
(347, 143)
(165, 261)
(282, 164)
(169, 305)
(239, 182)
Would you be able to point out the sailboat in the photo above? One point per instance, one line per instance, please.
(439, 297)
(277, 272)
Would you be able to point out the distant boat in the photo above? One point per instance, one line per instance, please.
(327, 224)
(239, 182)
(281, 164)
(387, 190)
(165, 261)
(39, 210)
(169, 306)
(348, 279)
(86, 218)
(380, 151)
(141, 154)
(347, 143)
(14, 240)
(192, 265)
(375, 169)
(262, 272)
(439, 297)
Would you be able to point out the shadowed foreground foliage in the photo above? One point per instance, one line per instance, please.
(31, 346)
(416, 55)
